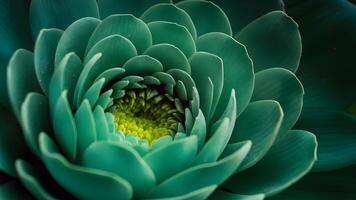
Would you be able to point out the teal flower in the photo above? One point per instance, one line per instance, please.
(153, 100)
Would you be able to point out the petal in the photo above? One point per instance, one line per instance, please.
(284, 87)
(202, 193)
(44, 53)
(93, 93)
(21, 78)
(54, 14)
(199, 129)
(177, 156)
(191, 179)
(128, 26)
(12, 144)
(84, 183)
(272, 40)
(241, 12)
(13, 190)
(335, 131)
(123, 161)
(260, 123)
(101, 124)
(172, 33)
(287, 161)
(170, 13)
(75, 38)
(207, 17)
(136, 7)
(142, 65)
(238, 69)
(222, 194)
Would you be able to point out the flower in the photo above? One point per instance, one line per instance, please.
(159, 103)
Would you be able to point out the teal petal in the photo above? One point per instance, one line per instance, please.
(284, 87)
(222, 194)
(185, 78)
(85, 123)
(174, 161)
(199, 129)
(12, 144)
(54, 14)
(207, 17)
(128, 26)
(15, 34)
(170, 13)
(30, 181)
(83, 183)
(260, 123)
(172, 33)
(101, 124)
(105, 99)
(204, 66)
(136, 7)
(123, 161)
(35, 118)
(110, 74)
(75, 38)
(199, 194)
(335, 131)
(44, 53)
(142, 65)
(21, 79)
(93, 93)
(241, 12)
(161, 142)
(65, 130)
(238, 68)
(287, 161)
(272, 40)
(14, 191)
(170, 56)
(191, 179)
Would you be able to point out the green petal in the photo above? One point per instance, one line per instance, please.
(93, 93)
(238, 69)
(287, 161)
(204, 66)
(199, 194)
(142, 65)
(242, 12)
(170, 56)
(172, 33)
(222, 194)
(44, 53)
(65, 77)
(110, 74)
(128, 26)
(170, 13)
(105, 99)
(101, 124)
(21, 78)
(185, 78)
(35, 118)
(199, 129)
(335, 131)
(123, 161)
(12, 144)
(272, 40)
(28, 178)
(207, 16)
(84, 183)
(284, 87)
(136, 7)
(13, 190)
(65, 130)
(191, 179)
(75, 38)
(260, 123)
(85, 123)
(174, 161)
(54, 14)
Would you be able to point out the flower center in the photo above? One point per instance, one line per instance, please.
(146, 114)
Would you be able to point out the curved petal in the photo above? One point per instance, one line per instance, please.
(136, 7)
(335, 131)
(55, 14)
(142, 65)
(238, 69)
(284, 87)
(191, 179)
(272, 40)
(44, 53)
(260, 123)
(207, 17)
(123, 161)
(222, 194)
(13, 190)
(287, 161)
(84, 183)
(199, 194)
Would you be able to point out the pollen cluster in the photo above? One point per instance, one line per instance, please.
(146, 114)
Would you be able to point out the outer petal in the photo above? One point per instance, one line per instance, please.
(222, 194)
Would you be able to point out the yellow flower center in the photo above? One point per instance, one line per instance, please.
(146, 114)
